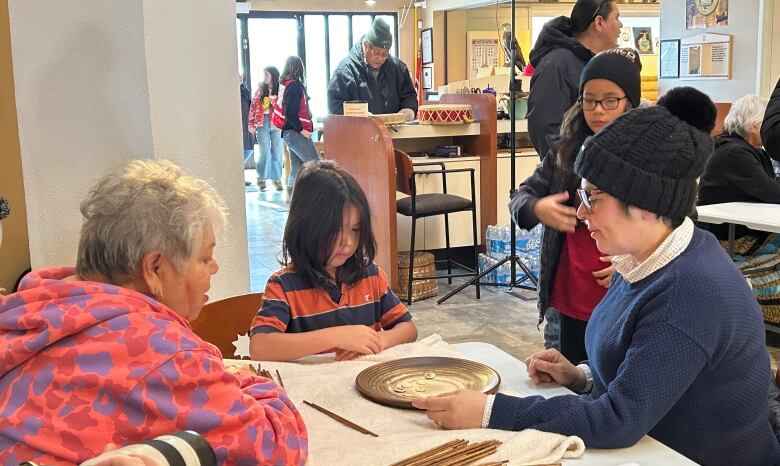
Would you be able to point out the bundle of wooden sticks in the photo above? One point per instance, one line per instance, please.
(266, 373)
(455, 453)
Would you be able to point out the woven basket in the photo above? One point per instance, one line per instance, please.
(423, 265)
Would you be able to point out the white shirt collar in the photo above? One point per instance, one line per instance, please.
(674, 244)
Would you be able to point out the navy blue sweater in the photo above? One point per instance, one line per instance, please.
(679, 355)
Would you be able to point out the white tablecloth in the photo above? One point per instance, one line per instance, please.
(402, 433)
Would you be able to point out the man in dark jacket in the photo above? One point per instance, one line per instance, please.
(371, 75)
(770, 130)
(563, 48)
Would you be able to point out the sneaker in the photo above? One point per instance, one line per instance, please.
(261, 185)
(247, 183)
(278, 185)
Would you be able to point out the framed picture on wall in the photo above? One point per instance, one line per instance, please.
(669, 57)
(426, 37)
(427, 77)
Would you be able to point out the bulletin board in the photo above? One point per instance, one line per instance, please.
(482, 51)
(706, 56)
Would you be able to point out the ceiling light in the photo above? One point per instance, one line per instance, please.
(370, 2)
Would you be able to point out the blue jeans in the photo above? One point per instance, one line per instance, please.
(552, 329)
(269, 139)
(301, 150)
(248, 153)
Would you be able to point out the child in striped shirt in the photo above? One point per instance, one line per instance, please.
(330, 296)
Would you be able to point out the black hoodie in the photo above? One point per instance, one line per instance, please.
(558, 60)
(389, 92)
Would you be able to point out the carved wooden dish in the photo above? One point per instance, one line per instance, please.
(396, 383)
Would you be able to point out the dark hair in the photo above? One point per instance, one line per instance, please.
(274, 88)
(585, 11)
(574, 131)
(322, 191)
(671, 222)
(293, 69)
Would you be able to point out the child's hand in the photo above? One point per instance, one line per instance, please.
(357, 338)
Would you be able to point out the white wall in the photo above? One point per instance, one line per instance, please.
(744, 25)
(102, 82)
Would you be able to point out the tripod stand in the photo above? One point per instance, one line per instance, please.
(512, 258)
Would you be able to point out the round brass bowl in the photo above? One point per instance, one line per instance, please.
(396, 383)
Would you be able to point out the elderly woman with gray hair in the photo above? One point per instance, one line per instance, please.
(103, 353)
(741, 171)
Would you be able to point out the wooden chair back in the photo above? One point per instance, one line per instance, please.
(723, 110)
(221, 322)
(403, 172)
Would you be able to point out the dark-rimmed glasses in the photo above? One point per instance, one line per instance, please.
(610, 103)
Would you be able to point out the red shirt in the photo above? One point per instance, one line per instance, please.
(575, 292)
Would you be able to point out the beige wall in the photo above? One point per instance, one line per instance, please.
(15, 248)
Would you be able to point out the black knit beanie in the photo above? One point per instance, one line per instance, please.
(621, 66)
(651, 157)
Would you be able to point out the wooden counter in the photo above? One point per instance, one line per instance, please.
(364, 147)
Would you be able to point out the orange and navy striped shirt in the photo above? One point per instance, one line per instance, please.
(290, 305)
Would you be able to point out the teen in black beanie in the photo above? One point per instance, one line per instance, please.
(574, 276)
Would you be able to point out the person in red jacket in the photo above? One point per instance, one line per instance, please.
(293, 116)
(103, 353)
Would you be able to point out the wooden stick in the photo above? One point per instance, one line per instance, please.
(457, 454)
(446, 455)
(252, 368)
(495, 463)
(279, 376)
(432, 451)
(340, 419)
(471, 456)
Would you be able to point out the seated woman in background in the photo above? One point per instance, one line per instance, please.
(330, 296)
(741, 171)
(676, 347)
(104, 354)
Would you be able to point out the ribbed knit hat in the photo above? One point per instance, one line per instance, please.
(651, 157)
(379, 35)
(621, 66)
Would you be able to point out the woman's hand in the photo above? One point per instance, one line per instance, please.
(359, 339)
(604, 276)
(461, 409)
(306, 134)
(552, 211)
(550, 365)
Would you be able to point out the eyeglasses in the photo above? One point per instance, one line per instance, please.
(598, 8)
(610, 103)
(585, 199)
(378, 52)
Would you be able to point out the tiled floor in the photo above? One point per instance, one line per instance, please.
(502, 319)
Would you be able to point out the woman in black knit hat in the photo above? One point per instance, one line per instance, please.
(677, 344)
(574, 275)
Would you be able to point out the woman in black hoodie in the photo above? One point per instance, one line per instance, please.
(741, 171)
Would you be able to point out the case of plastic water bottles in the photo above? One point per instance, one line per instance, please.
(499, 245)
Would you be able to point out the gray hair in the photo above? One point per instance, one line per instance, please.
(746, 112)
(150, 205)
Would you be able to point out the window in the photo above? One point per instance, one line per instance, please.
(338, 40)
(316, 72)
(271, 41)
